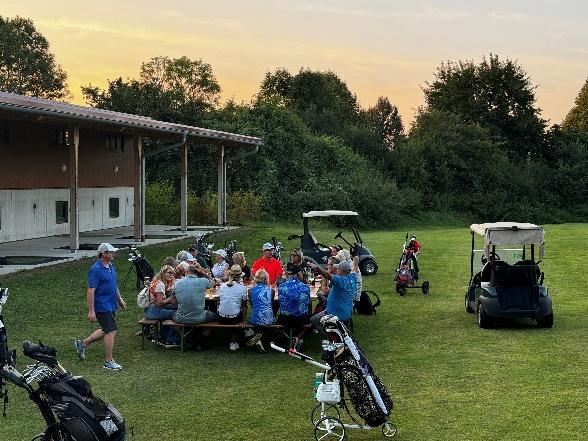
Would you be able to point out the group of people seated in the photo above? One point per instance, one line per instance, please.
(178, 292)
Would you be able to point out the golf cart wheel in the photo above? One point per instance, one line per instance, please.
(425, 287)
(330, 411)
(546, 321)
(468, 308)
(368, 267)
(484, 321)
(401, 290)
(389, 429)
(329, 428)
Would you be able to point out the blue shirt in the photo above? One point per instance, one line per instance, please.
(103, 279)
(262, 313)
(340, 299)
(294, 297)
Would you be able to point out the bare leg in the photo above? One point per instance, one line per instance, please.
(98, 334)
(109, 345)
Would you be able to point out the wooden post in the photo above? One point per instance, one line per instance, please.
(221, 185)
(74, 225)
(138, 232)
(184, 187)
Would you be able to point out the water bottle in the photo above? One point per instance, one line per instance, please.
(318, 379)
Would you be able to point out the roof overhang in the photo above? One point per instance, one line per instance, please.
(500, 233)
(107, 119)
(328, 213)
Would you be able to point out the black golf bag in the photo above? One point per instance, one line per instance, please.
(85, 416)
(142, 267)
(352, 368)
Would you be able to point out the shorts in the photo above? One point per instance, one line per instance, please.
(293, 321)
(230, 321)
(107, 321)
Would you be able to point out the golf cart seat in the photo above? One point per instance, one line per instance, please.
(309, 242)
(514, 275)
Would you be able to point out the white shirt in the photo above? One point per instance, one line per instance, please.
(230, 299)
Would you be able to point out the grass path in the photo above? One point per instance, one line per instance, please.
(449, 379)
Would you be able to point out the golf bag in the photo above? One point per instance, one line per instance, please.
(85, 416)
(142, 267)
(367, 394)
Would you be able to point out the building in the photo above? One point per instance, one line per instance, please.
(66, 169)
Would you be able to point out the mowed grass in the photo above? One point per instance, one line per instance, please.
(449, 379)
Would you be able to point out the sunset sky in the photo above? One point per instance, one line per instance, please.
(384, 47)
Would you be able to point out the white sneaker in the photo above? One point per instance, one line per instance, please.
(234, 346)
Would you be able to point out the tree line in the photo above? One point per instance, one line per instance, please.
(478, 148)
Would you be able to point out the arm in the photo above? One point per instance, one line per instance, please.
(120, 300)
(90, 302)
(321, 271)
(355, 268)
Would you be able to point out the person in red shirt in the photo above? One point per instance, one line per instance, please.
(268, 263)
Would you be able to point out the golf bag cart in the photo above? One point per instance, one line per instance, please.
(348, 378)
(407, 272)
(66, 402)
(143, 268)
(319, 253)
(505, 279)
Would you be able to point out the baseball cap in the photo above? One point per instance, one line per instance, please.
(221, 253)
(344, 266)
(106, 247)
(183, 255)
(190, 258)
(267, 246)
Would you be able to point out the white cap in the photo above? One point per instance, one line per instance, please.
(106, 247)
(267, 246)
(190, 258)
(221, 253)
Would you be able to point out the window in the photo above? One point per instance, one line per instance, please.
(115, 143)
(4, 138)
(113, 207)
(61, 212)
(62, 137)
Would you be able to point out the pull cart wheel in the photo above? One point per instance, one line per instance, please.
(402, 290)
(328, 428)
(425, 287)
(389, 429)
(330, 410)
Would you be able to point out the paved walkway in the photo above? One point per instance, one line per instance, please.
(35, 253)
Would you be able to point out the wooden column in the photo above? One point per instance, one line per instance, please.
(74, 224)
(138, 232)
(221, 185)
(184, 187)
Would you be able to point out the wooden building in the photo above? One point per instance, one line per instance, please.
(65, 169)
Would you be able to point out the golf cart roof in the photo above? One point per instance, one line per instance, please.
(327, 213)
(498, 233)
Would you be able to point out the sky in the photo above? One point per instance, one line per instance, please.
(378, 47)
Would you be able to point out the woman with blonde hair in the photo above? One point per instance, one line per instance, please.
(160, 301)
(239, 259)
(261, 297)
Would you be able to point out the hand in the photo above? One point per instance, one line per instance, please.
(356, 260)
(122, 303)
(92, 316)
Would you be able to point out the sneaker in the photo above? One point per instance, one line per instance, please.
(253, 340)
(79, 344)
(112, 365)
(234, 346)
(259, 347)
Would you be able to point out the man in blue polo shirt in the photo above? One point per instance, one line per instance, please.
(102, 297)
(341, 295)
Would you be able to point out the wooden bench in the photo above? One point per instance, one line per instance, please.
(146, 327)
(186, 329)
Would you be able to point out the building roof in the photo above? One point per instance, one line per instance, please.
(140, 124)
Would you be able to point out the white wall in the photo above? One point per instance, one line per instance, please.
(26, 214)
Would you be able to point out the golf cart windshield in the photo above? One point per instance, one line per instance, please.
(503, 233)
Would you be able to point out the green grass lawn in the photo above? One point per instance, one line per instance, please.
(449, 379)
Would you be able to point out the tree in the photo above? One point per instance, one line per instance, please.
(385, 122)
(26, 65)
(496, 94)
(577, 118)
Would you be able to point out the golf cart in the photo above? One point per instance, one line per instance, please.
(505, 279)
(319, 253)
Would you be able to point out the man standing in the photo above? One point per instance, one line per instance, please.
(268, 263)
(341, 294)
(102, 298)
